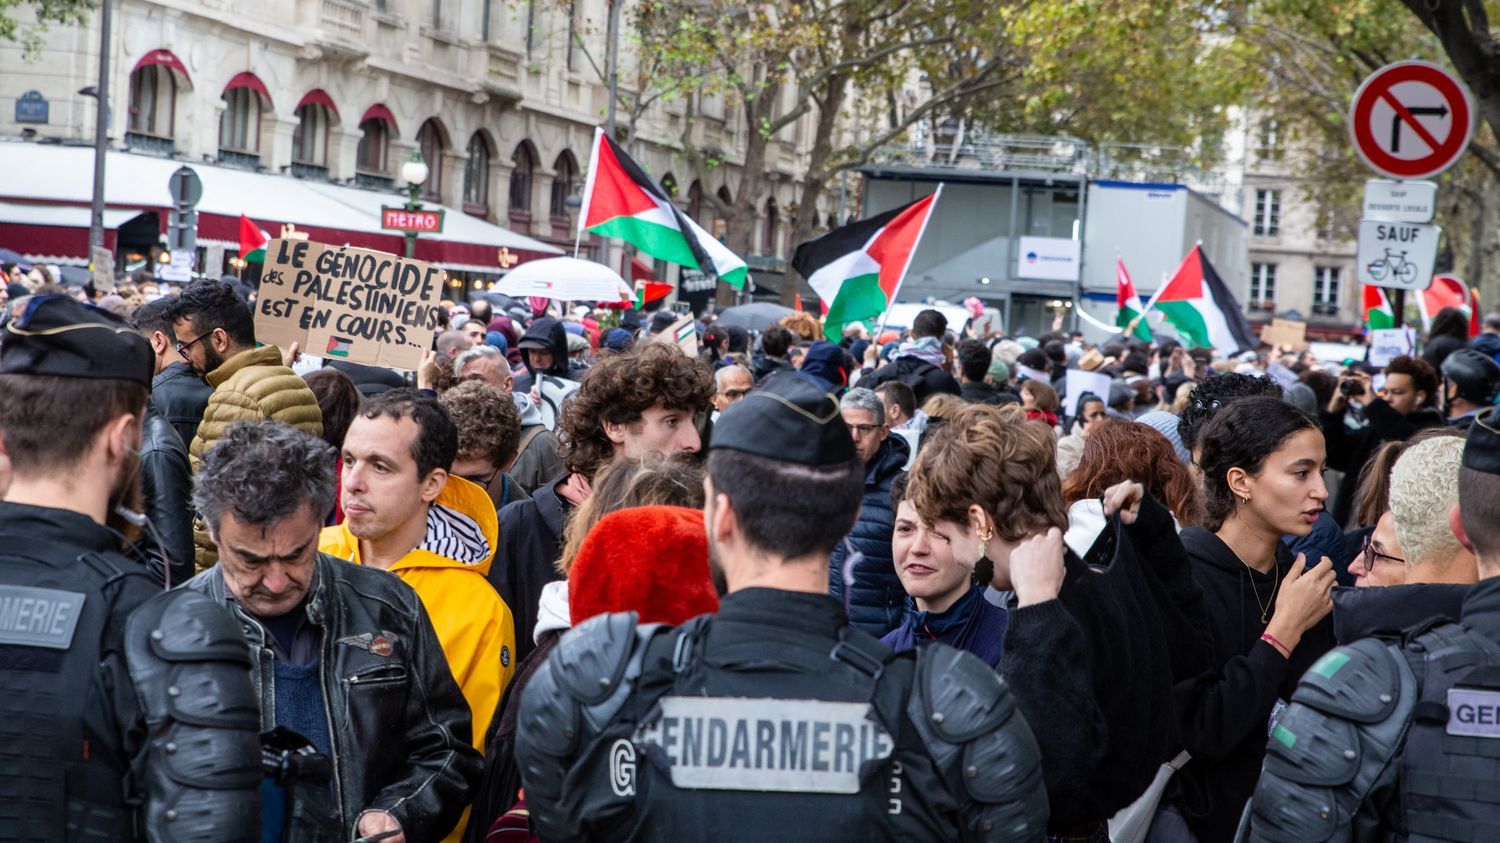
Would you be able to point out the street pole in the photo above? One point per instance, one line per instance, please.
(612, 65)
(101, 129)
(412, 205)
(1398, 307)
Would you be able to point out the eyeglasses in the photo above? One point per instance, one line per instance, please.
(863, 429)
(485, 482)
(1371, 555)
(734, 394)
(182, 347)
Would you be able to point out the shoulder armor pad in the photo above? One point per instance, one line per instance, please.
(1310, 747)
(590, 659)
(958, 696)
(1286, 812)
(1358, 682)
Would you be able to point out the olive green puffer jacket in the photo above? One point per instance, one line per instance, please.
(250, 386)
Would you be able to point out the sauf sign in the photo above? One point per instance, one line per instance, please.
(1397, 254)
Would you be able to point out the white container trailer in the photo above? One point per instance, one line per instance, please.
(1151, 227)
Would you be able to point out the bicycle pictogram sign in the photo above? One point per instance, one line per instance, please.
(1411, 119)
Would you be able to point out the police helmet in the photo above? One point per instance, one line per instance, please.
(1475, 374)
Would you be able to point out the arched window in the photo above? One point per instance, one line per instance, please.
(669, 184)
(523, 168)
(310, 140)
(721, 223)
(374, 144)
(477, 176)
(153, 101)
(430, 139)
(773, 225)
(564, 181)
(695, 202)
(239, 126)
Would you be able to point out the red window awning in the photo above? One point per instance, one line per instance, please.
(167, 59)
(379, 112)
(318, 96)
(246, 79)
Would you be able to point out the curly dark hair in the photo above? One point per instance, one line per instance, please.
(1215, 393)
(489, 425)
(263, 472)
(618, 389)
(1243, 435)
(207, 305)
(436, 442)
(1423, 377)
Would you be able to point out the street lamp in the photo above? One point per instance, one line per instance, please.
(414, 172)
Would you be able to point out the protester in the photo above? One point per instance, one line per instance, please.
(784, 487)
(1091, 648)
(1119, 451)
(944, 602)
(974, 364)
(178, 393)
(1407, 405)
(828, 365)
(1039, 402)
(1070, 447)
(166, 473)
(93, 650)
(629, 404)
(538, 460)
(1379, 563)
(919, 362)
(404, 512)
(1448, 332)
(1488, 340)
(1470, 383)
(1425, 508)
(400, 747)
(731, 383)
(486, 364)
(805, 327)
(1426, 783)
(489, 432)
(860, 570)
(550, 378)
(775, 342)
(1262, 460)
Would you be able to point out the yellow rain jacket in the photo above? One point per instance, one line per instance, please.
(473, 625)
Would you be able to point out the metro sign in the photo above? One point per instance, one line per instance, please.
(400, 219)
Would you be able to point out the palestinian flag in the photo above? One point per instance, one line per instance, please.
(253, 240)
(1378, 312)
(1449, 291)
(1196, 302)
(1131, 309)
(858, 268)
(621, 201)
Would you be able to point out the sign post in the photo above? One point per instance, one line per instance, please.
(1408, 120)
(186, 189)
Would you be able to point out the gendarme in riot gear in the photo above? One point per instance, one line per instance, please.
(1401, 740)
(125, 713)
(773, 717)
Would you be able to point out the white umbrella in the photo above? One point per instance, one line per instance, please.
(566, 279)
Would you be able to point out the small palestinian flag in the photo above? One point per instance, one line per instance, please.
(857, 269)
(1448, 291)
(1196, 302)
(253, 240)
(621, 201)
(1378, 312)
(1131, 309)
(338, 347)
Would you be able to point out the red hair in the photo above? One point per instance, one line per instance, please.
(1116, 451)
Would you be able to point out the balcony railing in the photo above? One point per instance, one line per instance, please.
(150, 144)
(243, 160)
(343, 22)
(373, 181)
(309, 171)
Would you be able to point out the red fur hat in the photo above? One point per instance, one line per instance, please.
(649, 559)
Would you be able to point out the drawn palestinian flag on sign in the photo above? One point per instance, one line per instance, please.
(858, 268)
(1378, 312)
(338, 347)
(1131, 309)
(253, 240)
(1196, 302)
(621, 201)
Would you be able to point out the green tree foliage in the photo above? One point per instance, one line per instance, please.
(26, 20)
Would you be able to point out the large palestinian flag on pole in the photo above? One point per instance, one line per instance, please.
(1196, 302)
(858, 268)
(1131, 309)
(621, 201)
(1378, 312)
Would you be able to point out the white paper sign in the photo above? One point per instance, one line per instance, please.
(1048, 258)
(1078, 383)
(1387, 344)
(1400, 201)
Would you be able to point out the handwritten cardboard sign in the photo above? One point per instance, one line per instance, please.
(350, 304)
(682, 334)
(1287, 332)
(1386, 344)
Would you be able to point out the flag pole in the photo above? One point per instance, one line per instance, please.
(588, 191)
(886, 314)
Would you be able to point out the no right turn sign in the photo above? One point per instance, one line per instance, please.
(1411, 119)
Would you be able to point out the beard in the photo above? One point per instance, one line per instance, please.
(212, 359)
(127, 493)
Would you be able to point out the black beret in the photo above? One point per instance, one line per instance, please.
(1482, 445)
(789, 419)
(56, 335)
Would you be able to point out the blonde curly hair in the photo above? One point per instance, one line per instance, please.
(1424, 488)
(805, 325)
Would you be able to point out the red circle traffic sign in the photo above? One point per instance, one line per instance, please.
(1411, 119)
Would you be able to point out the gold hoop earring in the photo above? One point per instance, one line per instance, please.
(1244, 499)
(985, 534)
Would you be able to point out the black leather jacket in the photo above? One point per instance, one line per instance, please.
(400, 727)
(167, 479)
(180, 396)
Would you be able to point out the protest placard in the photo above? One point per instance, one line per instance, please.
(1386, 344)
(1287, 332)
(1078, 382)
(358, 305)
(102, 261)
(682, 333)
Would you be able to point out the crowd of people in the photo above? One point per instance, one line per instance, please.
(568, 581)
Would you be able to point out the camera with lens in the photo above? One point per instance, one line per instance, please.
(1349, 388)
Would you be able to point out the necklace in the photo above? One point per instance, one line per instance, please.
(1265, 608)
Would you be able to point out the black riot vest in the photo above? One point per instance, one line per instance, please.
(775, 736)
(1450, 769)
(64, 765)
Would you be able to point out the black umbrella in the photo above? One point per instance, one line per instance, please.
(756, 316)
